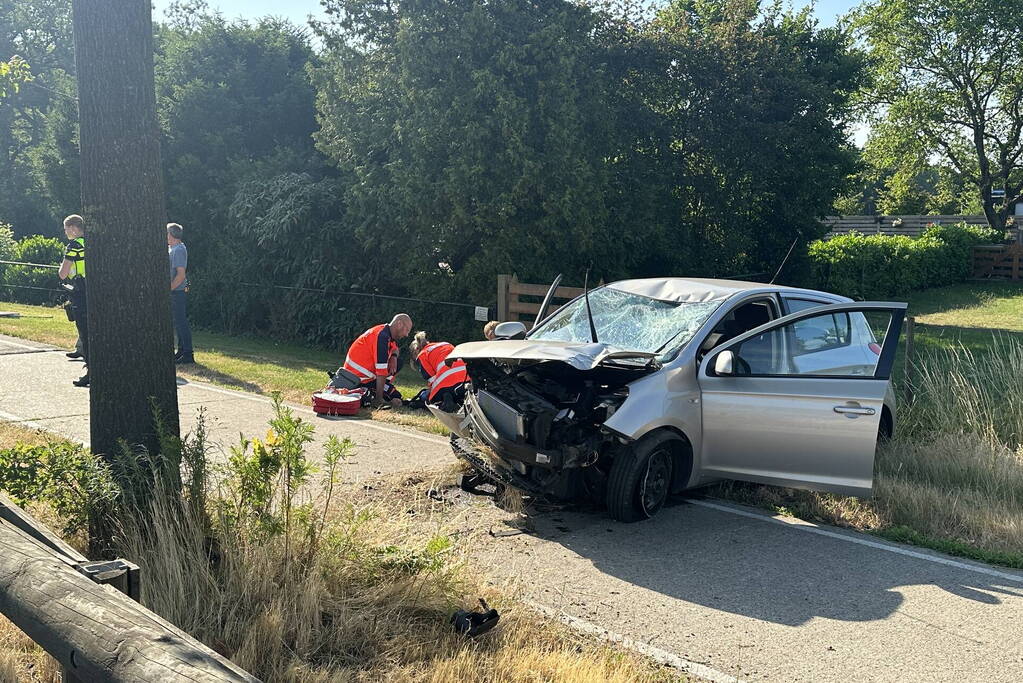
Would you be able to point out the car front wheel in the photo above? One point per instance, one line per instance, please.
(640, 479)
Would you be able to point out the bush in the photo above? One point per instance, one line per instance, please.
(76, 484)
(883, 266)
(33, 249)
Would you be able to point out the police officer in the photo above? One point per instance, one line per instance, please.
(72, 269)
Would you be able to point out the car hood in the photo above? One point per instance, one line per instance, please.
(581, 356)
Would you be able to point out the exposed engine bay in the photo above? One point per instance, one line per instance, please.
(544, 420)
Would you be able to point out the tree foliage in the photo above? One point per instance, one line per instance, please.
(13, 73)
(948, 85)
(537, 138)
(38, 147)
(420, 147)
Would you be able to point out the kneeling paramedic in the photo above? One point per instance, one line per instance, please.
(446, 382)
(373, 360)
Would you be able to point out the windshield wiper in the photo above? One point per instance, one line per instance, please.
(589, 313)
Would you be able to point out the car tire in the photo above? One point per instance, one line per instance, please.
(640, 478)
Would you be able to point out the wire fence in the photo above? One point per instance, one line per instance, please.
(480, 312)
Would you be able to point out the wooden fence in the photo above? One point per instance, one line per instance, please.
(893, 225)
(97, 633)
(521, 301)
(998, 262)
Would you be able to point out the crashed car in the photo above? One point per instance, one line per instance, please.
(644, 388)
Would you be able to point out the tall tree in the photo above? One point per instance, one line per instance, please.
(38, 154)
(948, 86)
(128, 276)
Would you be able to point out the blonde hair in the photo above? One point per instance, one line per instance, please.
(77, 221)
(488, 329)
(418, 343)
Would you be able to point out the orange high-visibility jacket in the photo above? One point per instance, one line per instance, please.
(368, 355)
(431, 359)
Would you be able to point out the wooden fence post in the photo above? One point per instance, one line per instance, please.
(907, 372)
(502, 297)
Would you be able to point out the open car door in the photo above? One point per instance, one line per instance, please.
(798, 402)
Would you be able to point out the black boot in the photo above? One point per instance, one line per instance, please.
(82, 381)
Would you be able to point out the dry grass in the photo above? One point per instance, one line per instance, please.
(370, 602)
(12, 433)
(367, 597)
(361, 588)
(21, 660)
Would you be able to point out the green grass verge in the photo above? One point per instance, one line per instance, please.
(250, 364)
(905, 534)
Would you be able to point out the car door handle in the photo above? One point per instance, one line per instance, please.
(854, 410)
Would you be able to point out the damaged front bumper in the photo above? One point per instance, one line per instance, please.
(465, 449)
(471, 422)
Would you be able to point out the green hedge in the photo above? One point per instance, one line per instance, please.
(884, 266)
(33, 249)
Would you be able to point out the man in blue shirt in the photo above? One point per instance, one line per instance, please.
(178, 255)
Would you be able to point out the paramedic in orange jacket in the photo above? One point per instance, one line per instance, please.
(373, 357)
(446, 382)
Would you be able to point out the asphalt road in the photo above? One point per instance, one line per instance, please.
(35, 388)
(724, 591)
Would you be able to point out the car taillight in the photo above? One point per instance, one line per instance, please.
(874, 347)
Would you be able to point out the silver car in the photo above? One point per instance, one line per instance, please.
(644, 388)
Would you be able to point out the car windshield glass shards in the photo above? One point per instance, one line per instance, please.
(627, 321)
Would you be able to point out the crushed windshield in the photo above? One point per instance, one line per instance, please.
(628, 321)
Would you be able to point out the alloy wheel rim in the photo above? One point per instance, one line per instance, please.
(655, 481)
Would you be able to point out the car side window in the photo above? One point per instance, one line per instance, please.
(739, 320)
(800, 305)
(791, 350)
(822, 333)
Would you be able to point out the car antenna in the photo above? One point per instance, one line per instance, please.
(589, 313)
(785, 260)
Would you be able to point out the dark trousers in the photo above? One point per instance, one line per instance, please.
(80, 309)
(180, 312)
(390, 391)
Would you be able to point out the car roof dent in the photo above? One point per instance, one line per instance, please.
(696, 290)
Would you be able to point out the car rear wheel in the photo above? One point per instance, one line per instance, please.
(640, 479)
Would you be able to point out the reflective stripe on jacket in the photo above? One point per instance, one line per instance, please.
(364, 356)
(431, 359)
(76, 255)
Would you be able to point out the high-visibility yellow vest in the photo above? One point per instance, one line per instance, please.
(76, 255)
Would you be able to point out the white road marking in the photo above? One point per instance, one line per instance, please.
(361, 423)
(23, 346)
(657, 654)
(801, 525)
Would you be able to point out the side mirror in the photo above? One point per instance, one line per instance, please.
(510, 330)
(724, 364)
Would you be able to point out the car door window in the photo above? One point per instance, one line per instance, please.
(821, 345)
(822, 333)
(739, 320)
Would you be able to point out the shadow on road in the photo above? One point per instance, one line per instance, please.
(205, 374)
(757, 569)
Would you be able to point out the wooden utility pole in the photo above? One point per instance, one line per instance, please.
(128, 274)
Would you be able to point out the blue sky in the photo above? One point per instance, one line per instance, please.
(299, 10)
